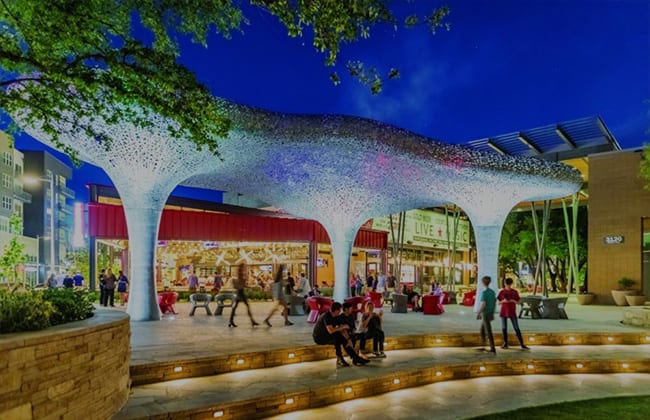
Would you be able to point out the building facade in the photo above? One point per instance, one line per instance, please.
(51, 206)
(14, 199)
(619, 224)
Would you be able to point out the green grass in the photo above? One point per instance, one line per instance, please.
(623, 408)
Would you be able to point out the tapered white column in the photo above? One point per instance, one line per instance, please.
(488, 217)
(342, 241)
(143, 220)
(488, 239)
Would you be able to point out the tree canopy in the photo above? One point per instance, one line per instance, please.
(645, 166)
(64, 60)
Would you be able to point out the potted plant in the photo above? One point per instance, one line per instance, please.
(625, 289)
(585, 297)
(637, 299)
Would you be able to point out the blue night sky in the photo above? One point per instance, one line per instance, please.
(504, 66)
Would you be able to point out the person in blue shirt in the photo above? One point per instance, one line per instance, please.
(486, 313)
(78, 279)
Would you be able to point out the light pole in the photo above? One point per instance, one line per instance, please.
(47, 179)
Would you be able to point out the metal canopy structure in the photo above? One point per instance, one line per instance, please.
(557, 142)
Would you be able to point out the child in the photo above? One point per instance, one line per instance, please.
(486, 312)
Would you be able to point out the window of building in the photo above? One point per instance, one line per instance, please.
(19, 170)
(7, 202)
(8, 159)
(4, 224)
(7, 180)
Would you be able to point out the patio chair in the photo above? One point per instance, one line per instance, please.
(166, 301)
(224, 300)
(200, 300)
(375, 298)
(431, 305)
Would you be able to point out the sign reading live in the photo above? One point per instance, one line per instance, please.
(427, 229)
(613, 239)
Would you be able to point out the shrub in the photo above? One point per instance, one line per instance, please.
(626, 283)
(24, 311)
(257, 294)
(69, 305)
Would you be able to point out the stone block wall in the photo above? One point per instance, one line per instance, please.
(73, 371)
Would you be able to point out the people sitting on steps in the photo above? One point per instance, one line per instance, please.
(330, 329)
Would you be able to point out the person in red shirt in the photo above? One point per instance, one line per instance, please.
(509, 298)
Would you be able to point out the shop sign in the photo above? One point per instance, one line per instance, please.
(613, 239)
(162, 244)
(210, 244)
(427, 229)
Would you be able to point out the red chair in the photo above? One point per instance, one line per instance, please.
(358, 303)
(166, 301)
(431, 305)
(318, 305)
(469, 298)
(375, 298)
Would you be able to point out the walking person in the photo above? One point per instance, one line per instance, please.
(486, 313)
(109, 287)
(277, 291)
(509, 298)
(239, 284)
(122, 287)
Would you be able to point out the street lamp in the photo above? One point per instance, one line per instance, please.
(47, 179)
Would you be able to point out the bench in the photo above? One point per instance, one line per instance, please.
(200, 300)
(224, 300)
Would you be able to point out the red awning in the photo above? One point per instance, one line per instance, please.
(107, 221)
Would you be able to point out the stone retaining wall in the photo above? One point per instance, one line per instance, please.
(73, 371)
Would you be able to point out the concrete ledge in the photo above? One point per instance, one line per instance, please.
(76, 370)
(203, 401)
(154, 372)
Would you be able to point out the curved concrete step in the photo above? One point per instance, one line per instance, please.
(270, 391)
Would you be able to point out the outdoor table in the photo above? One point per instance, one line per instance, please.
(553, 308)
(530, 305)
(296, 305)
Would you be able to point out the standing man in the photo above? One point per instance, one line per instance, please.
(486, 312)
(509, 298)
(78, 279)
(303, 286)
(109, 287)
(218, 282)
(102, 282)
(193, 282)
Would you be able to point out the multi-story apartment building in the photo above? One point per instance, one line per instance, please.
(48, 208)
(12, 201)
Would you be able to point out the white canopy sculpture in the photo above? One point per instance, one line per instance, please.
(338, 170)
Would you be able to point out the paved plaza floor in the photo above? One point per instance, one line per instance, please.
(181, 337)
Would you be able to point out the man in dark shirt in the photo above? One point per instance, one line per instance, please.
(331, 329)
